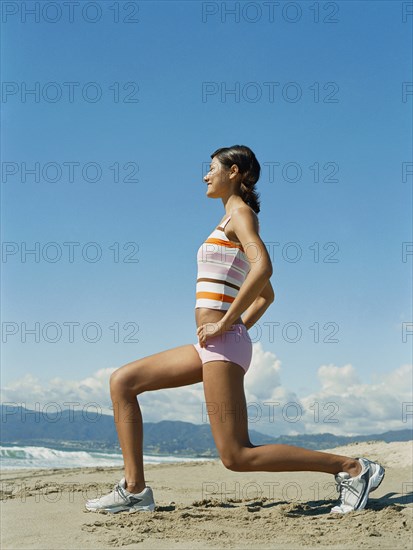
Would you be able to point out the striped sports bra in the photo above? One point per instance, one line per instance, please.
(222, 268)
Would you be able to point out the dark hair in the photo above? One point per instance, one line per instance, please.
(249, 168)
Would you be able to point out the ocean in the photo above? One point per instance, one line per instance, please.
(14, 457)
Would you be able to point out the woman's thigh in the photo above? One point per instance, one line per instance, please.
(180, 366)
(226, 406)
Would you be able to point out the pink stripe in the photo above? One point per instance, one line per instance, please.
(225, 259)
(241, 264)
(218, 270)
(235, 274)
(222, 255)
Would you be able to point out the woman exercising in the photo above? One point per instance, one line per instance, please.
(234, 271)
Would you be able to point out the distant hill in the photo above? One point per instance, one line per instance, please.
(71, 429)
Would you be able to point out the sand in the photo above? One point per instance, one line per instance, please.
(202, 505)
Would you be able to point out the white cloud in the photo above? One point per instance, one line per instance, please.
(337, 379)
(263, 374)
(343, 404)
(361, 408)
(28, 391)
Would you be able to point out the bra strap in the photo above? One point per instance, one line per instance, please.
(225, 222)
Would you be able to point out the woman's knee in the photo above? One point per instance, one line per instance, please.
(116, 380)
(233, 460)
(121, 382)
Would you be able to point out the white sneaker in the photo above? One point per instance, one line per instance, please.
(120, 500)
(354, 491)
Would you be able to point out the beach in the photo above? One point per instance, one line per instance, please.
(202, 505)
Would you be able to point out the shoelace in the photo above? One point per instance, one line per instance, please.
(120, 492)
(341, 486)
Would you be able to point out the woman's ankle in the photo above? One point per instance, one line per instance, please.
(135, 487)
(353, 467)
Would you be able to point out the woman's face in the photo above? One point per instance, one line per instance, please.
(216, 179)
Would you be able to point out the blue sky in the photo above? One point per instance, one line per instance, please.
(179, 67)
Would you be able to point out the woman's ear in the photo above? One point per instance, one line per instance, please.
(234, 170)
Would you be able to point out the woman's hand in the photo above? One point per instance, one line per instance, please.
(209, 330)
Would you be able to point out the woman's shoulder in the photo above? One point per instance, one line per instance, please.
(242, 208)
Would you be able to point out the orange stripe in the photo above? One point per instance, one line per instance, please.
(214, 296)
(229, 244)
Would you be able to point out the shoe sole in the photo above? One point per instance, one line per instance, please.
(379, 478)
(374, 481)
(130, 510)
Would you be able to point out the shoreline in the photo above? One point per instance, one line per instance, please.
(20, 457)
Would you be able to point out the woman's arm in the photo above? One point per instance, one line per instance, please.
(245, 226)
(259, 306)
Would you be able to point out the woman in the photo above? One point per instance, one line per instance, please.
(234, 271)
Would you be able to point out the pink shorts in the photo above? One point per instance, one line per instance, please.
(233, 345)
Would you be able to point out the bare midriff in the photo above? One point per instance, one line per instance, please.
(205, 315)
